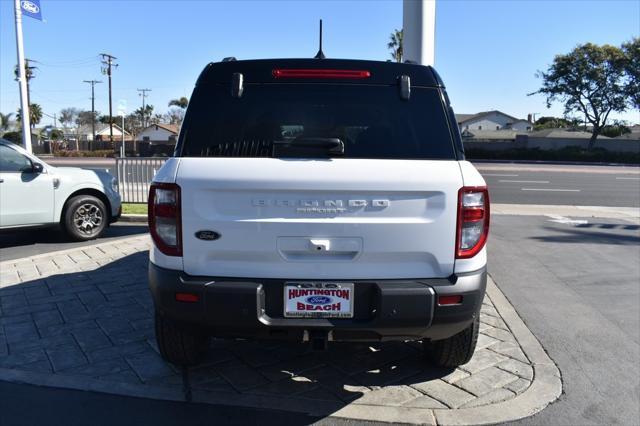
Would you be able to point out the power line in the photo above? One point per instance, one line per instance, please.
(144, 95)
(88, 59)
(107, 60)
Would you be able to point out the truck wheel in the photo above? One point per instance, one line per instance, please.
(456, 350)
(85, 217)
(178, 345)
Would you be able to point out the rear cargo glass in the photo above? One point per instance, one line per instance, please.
(371, 121)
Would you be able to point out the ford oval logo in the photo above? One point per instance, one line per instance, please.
(318, 300)
(207, 235)
(30, 6)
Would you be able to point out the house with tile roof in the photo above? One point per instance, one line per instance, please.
(492, 120)
(159, 134)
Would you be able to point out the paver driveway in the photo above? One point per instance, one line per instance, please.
(83, 319)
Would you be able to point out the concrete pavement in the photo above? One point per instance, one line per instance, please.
(82, 319)
(575, 285)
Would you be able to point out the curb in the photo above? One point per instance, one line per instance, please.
(136, 218)
(545, 388)
(550, 162)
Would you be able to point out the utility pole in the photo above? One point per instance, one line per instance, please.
(22, 78)
(144, 95)
(28, 72)
(108, 61)
(93, 106)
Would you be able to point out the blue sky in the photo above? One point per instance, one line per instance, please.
(486, 51)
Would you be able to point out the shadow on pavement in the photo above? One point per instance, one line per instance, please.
(54, 235)
(98, 325)
(587, 234)
(35, 405)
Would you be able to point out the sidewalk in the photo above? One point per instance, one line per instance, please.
(83, 319)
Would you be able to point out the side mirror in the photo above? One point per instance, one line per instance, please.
(37, 168)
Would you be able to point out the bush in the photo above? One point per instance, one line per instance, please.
(98, 153)
(569, 153)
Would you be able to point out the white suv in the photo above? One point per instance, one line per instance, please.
(318, 200)
(33, 193)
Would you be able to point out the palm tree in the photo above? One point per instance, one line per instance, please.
(180, 103)
(5, 121)
(145, 114)
(35, 114)
(395, 44)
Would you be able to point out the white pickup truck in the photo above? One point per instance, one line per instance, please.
(318, 200)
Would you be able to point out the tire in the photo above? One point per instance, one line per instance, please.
(178, 345)
(456, 350)
(85, 217)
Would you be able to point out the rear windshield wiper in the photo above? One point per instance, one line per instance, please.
(309, 146)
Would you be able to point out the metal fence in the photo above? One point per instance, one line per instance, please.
(134, 176)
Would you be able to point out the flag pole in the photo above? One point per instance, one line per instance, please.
(22, 80)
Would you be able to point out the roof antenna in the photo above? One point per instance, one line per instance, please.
(320, 54)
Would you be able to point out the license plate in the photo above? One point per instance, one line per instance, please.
(318, 300)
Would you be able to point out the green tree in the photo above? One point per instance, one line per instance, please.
(157, 119)
(15, 137)
(395, 45)
(180, 103)
(552, 123)
(86, 118)
(631, 51)
(591, 80)
(35, 114)
(617, 128)
(145, 114)
(175, 115)
(68, 116)
(56, 135)
(5, 121)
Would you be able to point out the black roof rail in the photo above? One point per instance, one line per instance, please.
(229, 59)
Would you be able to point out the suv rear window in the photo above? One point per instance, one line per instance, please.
(371, 121)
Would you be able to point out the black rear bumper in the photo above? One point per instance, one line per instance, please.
(383, 310)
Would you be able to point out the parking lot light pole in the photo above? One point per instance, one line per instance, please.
(419, 28)
(22, 80)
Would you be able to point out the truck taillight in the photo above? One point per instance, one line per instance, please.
(473, 221)
(165, 224)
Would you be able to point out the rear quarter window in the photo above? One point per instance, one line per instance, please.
(372, 121)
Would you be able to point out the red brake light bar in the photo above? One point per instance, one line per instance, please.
(320, 73)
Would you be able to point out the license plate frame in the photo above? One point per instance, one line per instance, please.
(322, 290)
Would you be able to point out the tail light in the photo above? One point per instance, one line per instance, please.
(165, 224)
(473, 221)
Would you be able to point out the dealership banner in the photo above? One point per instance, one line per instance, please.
(31, 8)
